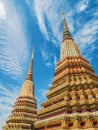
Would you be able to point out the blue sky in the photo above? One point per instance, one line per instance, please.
(25, 24)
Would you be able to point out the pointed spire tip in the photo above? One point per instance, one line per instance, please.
(63, 14)
(29, 74)
(32, 57)
(66, 33)
(62, 10)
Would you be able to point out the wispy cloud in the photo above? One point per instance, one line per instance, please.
(12, 41)
(55, 60)
(39, 12)
(47, 17)
(48, 64)
(46, 57)
(41, 97)
(82, 5)
(50, 82)
(7, 99)
(86, 37)
(87, 34)
(49, 58)
(43, 92)
(2, 10)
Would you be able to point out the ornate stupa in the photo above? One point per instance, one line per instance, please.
(24, 112)
(72, 100)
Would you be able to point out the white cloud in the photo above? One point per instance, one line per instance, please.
(86, 37)
(46, 57)
(47, 12)
(2, 10)
(41, 97)
(54, 21)
(39, 12)
(7, 99)
(12, 42)
(50, 59)
(82, 5)
(48, 64)
(43, 92)
(50, 82)
(55, 60)
(87, 34)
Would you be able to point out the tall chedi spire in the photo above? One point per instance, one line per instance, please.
(24, 111)
(68, 47)
(72, 99)
(29, 75)
(29, 80)
(66, 33)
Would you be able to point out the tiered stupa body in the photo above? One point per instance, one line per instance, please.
(24, 112)
(72, 100)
